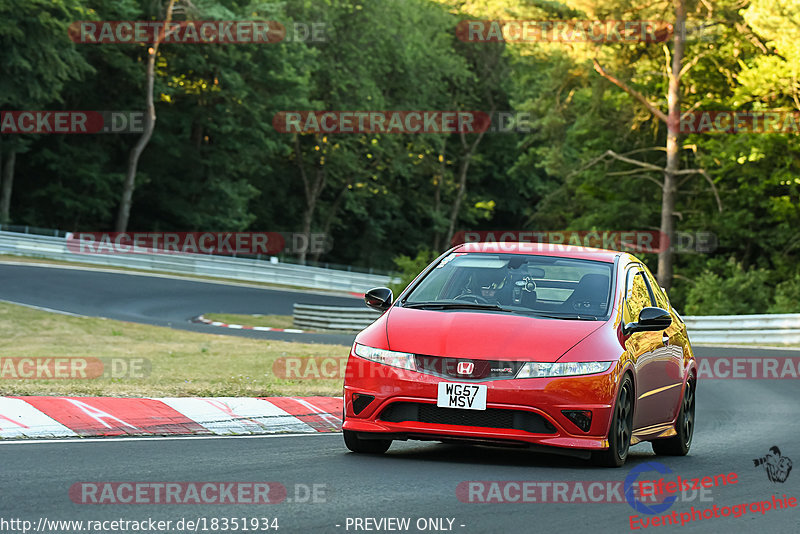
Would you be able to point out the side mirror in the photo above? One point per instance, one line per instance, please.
(379, 298)
(651, 319)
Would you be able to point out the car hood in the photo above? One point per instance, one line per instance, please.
(483, 335)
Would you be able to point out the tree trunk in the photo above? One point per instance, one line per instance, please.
(312, 192)
(149, 125)
(8, 182)
(469, 151)
(672, 120)
(673, 149)
(326, 227)
(437, 198)
(308, 216)
(462, 189)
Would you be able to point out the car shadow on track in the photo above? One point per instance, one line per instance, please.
(442, 453)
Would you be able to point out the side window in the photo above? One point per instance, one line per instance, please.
(637, 295)
(661, 299)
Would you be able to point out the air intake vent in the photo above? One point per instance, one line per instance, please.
(399, 412)
(360, 402)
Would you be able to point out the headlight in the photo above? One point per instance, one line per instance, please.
(544, 370)
(403, 360)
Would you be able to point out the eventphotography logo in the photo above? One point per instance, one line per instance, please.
(777, 466)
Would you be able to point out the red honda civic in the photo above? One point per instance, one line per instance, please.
(556, 348)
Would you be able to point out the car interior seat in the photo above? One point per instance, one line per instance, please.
(590, 295)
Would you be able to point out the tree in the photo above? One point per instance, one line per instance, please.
(38, 61)
(676, 69)
(149, 125)
(410, 65)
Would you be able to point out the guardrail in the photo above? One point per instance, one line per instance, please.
(781, 328)
(746, 329)
(244, 269)
(348, 319)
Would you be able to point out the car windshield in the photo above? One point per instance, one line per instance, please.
(541, 285)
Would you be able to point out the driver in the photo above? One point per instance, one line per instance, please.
(486, 283)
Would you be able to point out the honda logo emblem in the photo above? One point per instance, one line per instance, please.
(465, 368)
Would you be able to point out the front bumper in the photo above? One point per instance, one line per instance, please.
(544, 398)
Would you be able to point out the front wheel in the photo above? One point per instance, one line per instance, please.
(365, 446)
(619, 435)
(678, 445)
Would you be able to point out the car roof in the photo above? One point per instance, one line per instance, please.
(542, 249)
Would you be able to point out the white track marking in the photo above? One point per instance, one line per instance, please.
(42, 308)
(236, 415)
(19, 419)
(332, 419)
(112, 439)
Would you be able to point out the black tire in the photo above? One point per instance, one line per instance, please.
(619, 434)
(679, 444)
(365, 446)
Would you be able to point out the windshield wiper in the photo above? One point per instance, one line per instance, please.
(438, 305)
(568, 316)
(456, 306)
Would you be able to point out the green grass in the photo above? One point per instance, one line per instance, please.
(181, 363)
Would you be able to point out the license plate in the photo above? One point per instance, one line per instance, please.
(466, 396)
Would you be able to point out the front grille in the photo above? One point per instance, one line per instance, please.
(481, 369)
(421, 412)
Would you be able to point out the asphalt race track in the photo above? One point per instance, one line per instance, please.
(737, 421)
(160, 301)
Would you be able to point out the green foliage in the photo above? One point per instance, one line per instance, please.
(215, 162)
(729, 289)
(38, 58)
(410, 267)
(787, 296)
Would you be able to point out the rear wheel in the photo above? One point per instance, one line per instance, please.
(619, 435)
(678, 445)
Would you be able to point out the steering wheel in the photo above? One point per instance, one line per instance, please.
(475, 298)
